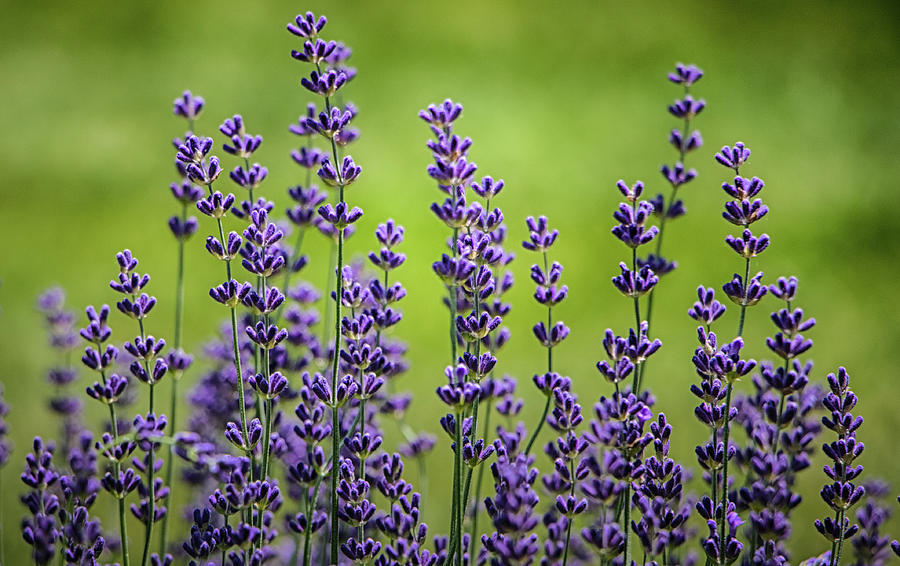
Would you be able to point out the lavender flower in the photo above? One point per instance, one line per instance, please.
(637, 279)
(684, 140)
(842, 493)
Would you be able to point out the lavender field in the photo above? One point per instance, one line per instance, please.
(615, 284)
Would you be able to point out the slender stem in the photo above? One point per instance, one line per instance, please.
(726, 435)
(487, 421)
(636, 380)
(537, 430)
(453, 305)
(335, 417)
(173, 401)
(740, 331)
(626, 523)
(240, 375)
(455, 516)
(459, 502)
(117, 467)
(540, 424)
(335, 432)
(570, 520)
(151, 466)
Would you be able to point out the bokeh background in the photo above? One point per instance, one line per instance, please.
(561, 99)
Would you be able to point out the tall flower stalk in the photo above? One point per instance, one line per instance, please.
(842, 493)
(148, 367)
(684, 140)
(478, 234)
(337, 174)
(551, 334)
(182, 226)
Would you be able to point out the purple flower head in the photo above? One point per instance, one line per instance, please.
(441, 116)
(340, 216)
(348, 173)
(747, 245)
(139, 308)
(488, 188)
(329, 125)
(97, 330)
(266, 337)
(453, 173)
(188, 106)
(692, 142)
(306, 25)
(541, 238)
(145, 348)
(314, 51)
(657, 264)
(204, 173)
(148, 375)
(784, 288)
(677, 175)
(631, 230)
(227, 251)
(706, 309)
(129, 283)
(675, 209)
(325, 84)
(308, 157)
(473, 328)
(687, 107)
(606, 540)
(685, 75)
(236, 437)
(743, 188)
(635, 284)
(745, 212)
(194, 149)
(733, 157)
(251, 178)
(216, 204)
(749, 295)
(456, 213)
(183, 229)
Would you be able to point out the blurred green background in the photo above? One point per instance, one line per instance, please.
(561, 102)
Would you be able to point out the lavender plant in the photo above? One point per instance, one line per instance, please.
(284, 457)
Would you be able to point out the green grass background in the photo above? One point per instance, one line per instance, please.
(561, 100)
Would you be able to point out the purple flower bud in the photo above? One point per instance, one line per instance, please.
(307, 26)
(216, 205)
(325, 84)
(249, 178)
(734, 157)
(686, 75)
(188, 106)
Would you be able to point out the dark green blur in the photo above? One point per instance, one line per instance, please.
(560, 102)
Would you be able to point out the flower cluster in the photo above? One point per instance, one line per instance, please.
(471, 274)
(634, 281)
(778, 419)
(287, 455)
(842, 493)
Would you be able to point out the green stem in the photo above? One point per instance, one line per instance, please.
(478, 481)
(459, 502)
(626, 523)
(570, 520)
(537, 429)
(335, 432)
(173, 401)
(740, 331)
(726, 435)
